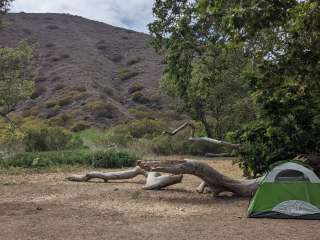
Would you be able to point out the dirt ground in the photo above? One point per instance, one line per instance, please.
(46, 206)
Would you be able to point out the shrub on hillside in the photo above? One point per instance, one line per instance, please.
(125, 74)
(134, 61)
(136, 87)
(41, 137)
(37, 92)
(141, 128)
(80, 126)
(102, 109)
(138, 97)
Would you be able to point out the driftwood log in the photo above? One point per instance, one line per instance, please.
(216, 181)
(154, 180)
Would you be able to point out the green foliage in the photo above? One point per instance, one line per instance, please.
(16, 81)
(100, 159)
(136, 87)
(41, 137)
(141, 128)
(101, 109)
(80, 126)
(4, 7)
(134, 61)
(202, 67)
(37, 92)
(267, 48)
(138, 97)
(11, 140)
(125, 74)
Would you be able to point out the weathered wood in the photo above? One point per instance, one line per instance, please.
(180, 128)
(211, 140)
(215, 180)
(126, 174)
(155, 180)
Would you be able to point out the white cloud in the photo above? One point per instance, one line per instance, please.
(132, 14)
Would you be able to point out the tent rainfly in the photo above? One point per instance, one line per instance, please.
(289, 190)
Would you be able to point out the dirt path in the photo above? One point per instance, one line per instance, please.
(45, 206)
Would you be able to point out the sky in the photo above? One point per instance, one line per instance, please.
(131, 14)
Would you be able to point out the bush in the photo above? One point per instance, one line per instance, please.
(37, 92)
(143, 112)
(102, 109)
(11, 141)
(263, 145)
(125, 74)
(138, 97)
(42, 137)
(80, 127)
(134, 61)
(70, 97)
(141, 128)
(100, 159)
(136, 87)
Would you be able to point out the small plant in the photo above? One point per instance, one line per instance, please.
(101, 109)
(136, 87)
(134, 61)
(80, 126)
(125, 74)
(138, 97)
(42, 137)
(37, 92)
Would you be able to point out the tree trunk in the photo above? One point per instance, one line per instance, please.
(155, 180)
(216, 181)
(207, 128)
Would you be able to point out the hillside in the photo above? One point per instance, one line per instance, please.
(87, 71)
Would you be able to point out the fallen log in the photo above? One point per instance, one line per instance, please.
(211, 140)
(215, 180)
(126, 174)
(154, 180)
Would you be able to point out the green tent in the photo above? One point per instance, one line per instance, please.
(289, 190)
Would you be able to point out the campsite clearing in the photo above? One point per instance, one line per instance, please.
(46, 206)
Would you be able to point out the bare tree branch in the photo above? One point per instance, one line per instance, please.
(180, 128)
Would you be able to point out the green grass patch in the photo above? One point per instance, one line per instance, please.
(83, 157)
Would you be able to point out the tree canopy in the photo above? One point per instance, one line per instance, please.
(265, 51)
(4, 7)
(16, 80)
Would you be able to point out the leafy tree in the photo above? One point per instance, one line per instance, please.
(278, 57)
(16, 80)
(202, 66)
(4, 7)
